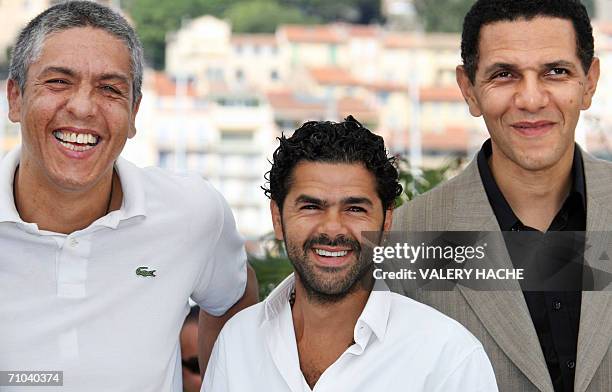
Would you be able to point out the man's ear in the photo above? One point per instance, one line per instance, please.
(277, 220)
(592, 77)
(132, 130)
(13, 94)
(388, 220)
(467, 89)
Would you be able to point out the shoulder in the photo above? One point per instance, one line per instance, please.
(188, 185)
(412, 320)
(182, 201)
(430, 210)
(598, 178)
(189, 192)
(244, 325)
(594, 164)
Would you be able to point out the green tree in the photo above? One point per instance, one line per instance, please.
(357, 11)
(442, 15)
(263, 16)
(447, 15)
(155, 18)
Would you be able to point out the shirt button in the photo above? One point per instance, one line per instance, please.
(74, 242)
(556, 306)
(571, 364)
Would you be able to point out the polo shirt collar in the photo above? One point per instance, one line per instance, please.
(131, 183)
(8, 165)
(375, 314)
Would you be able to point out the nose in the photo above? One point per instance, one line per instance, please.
(81, 103)
(333, 224)
(531, 95)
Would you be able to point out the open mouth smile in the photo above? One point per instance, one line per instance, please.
(76, 141)
(326, 253)
(332, 257)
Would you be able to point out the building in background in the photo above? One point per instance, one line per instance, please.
(224, 98)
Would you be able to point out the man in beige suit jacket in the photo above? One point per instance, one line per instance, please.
(528, 70)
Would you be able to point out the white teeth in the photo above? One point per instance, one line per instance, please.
(72, 137)
(322, 252)
(74, 147)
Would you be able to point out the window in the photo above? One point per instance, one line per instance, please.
(165, 159)
(214, 74)
(237, 136)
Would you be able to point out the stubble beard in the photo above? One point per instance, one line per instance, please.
(333, 284)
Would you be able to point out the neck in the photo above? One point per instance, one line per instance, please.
(63, 210)
(335, 320)
(535, 196)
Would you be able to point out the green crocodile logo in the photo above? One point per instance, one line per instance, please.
(143, 271)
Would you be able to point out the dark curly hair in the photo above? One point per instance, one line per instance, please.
(341, 142)
(484, 12)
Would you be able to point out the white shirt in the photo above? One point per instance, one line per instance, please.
(400, 345)
(75, 302)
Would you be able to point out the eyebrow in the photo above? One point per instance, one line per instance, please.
(512, 67)
(497, 66)
(560, 63)
(305, 199)
(62, 70)
(357, 200)
(115, 76)
(69, 72)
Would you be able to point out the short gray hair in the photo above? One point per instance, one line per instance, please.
(69, 15)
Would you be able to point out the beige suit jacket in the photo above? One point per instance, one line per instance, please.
(500, 319)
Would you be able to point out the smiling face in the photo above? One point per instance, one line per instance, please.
(76, 110)
(327, 208)
(530, 88)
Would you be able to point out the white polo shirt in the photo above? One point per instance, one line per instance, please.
(400, 345)
(76, 303)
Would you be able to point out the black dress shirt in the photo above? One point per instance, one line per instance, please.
(555, 314)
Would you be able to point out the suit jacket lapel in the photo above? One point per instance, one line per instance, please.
(595, 335)
(503, 313)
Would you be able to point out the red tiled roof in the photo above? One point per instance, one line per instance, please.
(257, 39)
(362, 31)
(314, 34)
(452, 139)
(356, 107)
(333, 75)
(286, 99)
(289, 105)
(452, 94)
(164, 86)
(430, 40)
(603, 27)
(385, 85)
(439, 94)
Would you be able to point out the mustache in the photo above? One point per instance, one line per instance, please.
(339, 240)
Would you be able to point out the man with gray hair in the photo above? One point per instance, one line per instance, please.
(104, 254)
